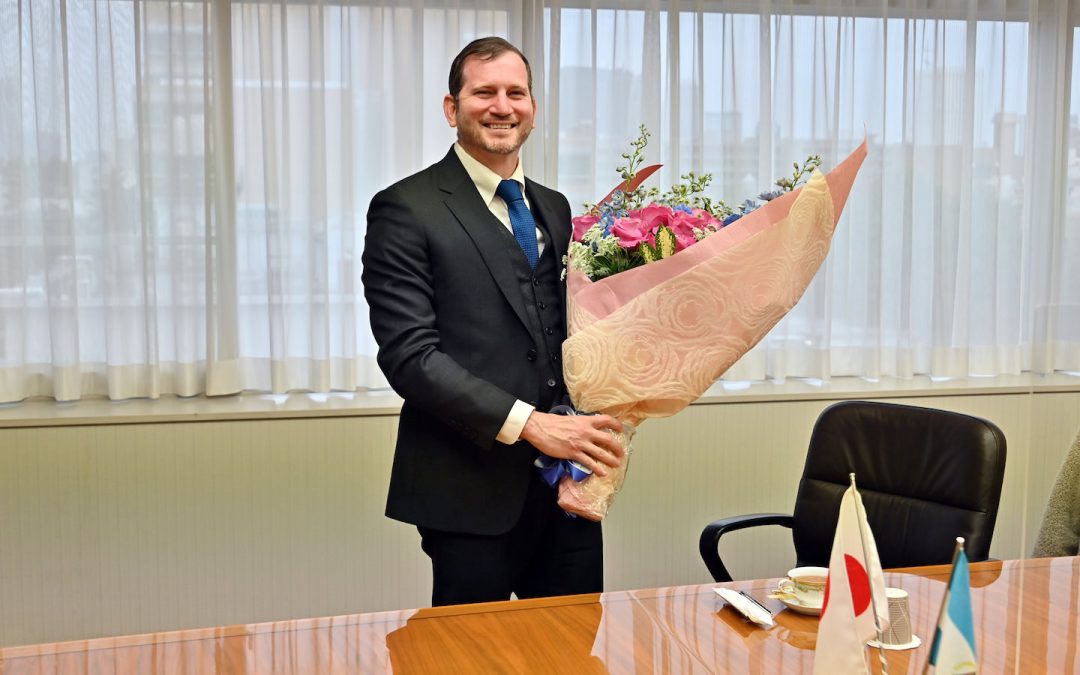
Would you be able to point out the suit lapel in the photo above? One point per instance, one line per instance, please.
(474, 216)
(546, 217)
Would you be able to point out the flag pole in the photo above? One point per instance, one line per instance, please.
(944, 600)
(873, 600)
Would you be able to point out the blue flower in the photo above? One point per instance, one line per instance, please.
(748, 206)
(684, 208)
(618, 198)
(770, 195)
(732, 218)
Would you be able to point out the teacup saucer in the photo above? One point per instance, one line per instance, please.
(796, 606)
(915, 642)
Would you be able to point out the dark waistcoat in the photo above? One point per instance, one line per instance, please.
(544, 295)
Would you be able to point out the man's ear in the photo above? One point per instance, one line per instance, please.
(534, 111)
(449, 108)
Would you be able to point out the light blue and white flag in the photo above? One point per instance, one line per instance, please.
(953, 651)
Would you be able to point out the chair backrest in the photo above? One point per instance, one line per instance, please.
(926, 476)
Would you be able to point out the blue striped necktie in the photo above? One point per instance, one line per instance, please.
(521, 219)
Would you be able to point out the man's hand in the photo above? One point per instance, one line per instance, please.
(582, 438)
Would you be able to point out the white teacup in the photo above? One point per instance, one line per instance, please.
(806, 584)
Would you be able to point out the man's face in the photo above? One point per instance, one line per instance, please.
(495, 110)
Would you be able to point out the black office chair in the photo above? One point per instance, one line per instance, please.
(926, 476)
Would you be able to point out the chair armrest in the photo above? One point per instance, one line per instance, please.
(709, 543)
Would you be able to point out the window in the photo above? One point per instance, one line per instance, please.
(183, 189)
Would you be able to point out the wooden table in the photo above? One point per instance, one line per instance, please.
(1025, 621)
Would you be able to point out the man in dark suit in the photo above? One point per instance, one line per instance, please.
(463, 280)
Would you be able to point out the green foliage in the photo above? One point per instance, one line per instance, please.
(612, 262)
(664, 247)
(635, 157)
(690, 189)
(800, 175)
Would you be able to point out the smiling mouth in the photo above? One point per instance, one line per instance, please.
(500, 126)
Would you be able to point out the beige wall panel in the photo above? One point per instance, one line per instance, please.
(125, 528)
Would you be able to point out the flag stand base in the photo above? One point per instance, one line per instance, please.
(915, 642)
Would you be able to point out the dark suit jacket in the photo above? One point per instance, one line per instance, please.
(454, 341)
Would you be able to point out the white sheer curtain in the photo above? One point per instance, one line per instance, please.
(183, 184)
(955, 257)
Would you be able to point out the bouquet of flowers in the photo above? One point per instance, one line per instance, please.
(665, 291)
(634, 226)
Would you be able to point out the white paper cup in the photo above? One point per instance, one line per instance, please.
(899, 631)
(898, 635)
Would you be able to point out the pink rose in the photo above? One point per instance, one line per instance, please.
(630, 231)
(654, 215)
(682, 225)
(708, 221)
(582, 225)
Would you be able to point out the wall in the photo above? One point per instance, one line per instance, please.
(110, 529)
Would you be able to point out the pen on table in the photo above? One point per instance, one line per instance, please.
(754, 600)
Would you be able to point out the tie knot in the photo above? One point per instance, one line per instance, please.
(509, 190)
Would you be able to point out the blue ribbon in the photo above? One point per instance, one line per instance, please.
(552, 470)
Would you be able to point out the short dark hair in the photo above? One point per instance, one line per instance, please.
(485, 48)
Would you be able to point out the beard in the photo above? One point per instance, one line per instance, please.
(471, 134)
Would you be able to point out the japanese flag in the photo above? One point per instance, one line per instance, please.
(855, 588)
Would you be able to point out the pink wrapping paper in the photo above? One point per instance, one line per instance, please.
(649, 341)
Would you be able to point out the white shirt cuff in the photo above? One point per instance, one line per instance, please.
(515, 422)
